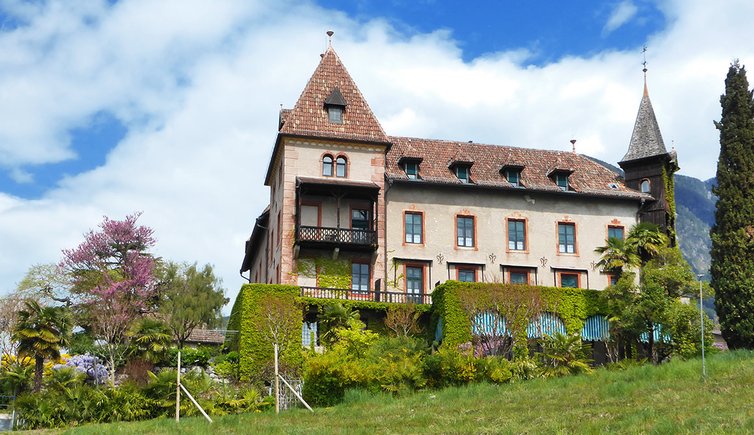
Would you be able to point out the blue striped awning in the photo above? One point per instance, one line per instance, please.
(308, 331)
(489, 324)
(659, 335)
(545, 324)
(596, 328)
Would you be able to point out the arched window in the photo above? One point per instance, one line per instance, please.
(340, 167)
(327, 166)
(644, 187)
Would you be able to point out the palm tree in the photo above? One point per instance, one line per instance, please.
(40, 333)
(617, 255)
(646, 239)
(150, 339)
(336, 316)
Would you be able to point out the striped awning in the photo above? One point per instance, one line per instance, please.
(596, 328)
(545, 324)
(489, 324)
(659, 335)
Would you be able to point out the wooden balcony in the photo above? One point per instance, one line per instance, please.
(324, 237)
(365, 295)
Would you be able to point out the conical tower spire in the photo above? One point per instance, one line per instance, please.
(329, 86)
(646, 139)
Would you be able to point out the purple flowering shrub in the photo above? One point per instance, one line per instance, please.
(89, 365)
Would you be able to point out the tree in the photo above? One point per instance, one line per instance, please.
(617, 255)
(41, 332)
(46, 283)
(113, 273)
(732, 235)
(150, 339)
(645, 240)
(189, 298)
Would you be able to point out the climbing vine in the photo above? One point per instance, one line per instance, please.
(329, 273)
(669, 184)
(454, 304)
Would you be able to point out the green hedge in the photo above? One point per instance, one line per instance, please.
(573, 306)
(255, 349)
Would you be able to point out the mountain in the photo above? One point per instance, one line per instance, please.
(695, 215)
(695, 210)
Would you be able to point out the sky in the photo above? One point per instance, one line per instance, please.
(170, 108)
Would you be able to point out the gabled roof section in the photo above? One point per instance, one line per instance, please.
(646, 140)
(587, 177)
(332, 85)
(335, 99)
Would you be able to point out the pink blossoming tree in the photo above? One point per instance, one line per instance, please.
(114, 276)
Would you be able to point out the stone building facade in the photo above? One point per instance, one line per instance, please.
(356, 213)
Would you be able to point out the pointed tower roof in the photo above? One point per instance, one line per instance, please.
(331, 85)
(646, 140)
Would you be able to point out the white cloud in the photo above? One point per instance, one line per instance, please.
(621, 14)
(198, 87)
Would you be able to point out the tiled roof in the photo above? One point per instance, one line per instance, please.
(210, 336)
(309, 116)
(646, 140)
(587, 177)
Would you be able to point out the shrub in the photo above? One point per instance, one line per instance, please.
(450, 367)
(493, 369)
(89, 365)
(190, 356)
(324, 383)
(563, 355)
(523, 369)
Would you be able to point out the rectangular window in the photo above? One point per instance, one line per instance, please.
(566, 238)
(513, 176)
(359, 219)
(412, 170)
(561, 180)
(360, 226)
(518, 277)
(413, 227)
(414, 283)
(466, 274)
(335, 114)
(614, 232)
(516, 235)
(462, 172)
(570, 280)
(360, 276)
(465, 231)
(612, 279)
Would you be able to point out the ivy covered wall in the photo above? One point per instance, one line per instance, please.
(452, 302)
(248, 316)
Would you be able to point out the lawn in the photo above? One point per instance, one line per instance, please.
(667, 399)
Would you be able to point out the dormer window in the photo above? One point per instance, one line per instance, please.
(335, 104)
(561, 179)
(463, 172)
(410, 166)
(412, 170)
(327, 166)
(644, 186)
(512, 175)
(335, 114)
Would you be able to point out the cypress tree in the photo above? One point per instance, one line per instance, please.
(733, 233)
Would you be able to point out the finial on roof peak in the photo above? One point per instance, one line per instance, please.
(329, 38)
(644, 55)
(573, 145)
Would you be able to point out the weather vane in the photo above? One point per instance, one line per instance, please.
(644, 55)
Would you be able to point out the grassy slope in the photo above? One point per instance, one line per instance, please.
(665, 399)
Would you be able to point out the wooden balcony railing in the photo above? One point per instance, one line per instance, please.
(337, 236)
(365, 295)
